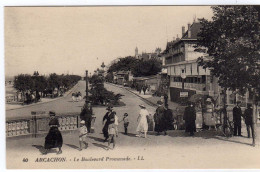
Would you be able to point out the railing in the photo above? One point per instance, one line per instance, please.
(39, 124)
(188, 85)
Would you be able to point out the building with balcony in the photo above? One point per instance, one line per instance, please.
(180, 56)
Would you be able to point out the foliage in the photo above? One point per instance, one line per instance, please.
(99, 94)
(147, 68)
(232, 41)
(109, 77)
(23, 82)
(124, 64)
(36, 82)
(136, 66)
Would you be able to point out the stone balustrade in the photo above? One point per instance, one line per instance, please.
(39, 124)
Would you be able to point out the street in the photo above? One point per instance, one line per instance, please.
(176, 150)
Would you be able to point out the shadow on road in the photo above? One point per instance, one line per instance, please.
(129, 134)
(73, 146)
(96, 139)
(42, 150)
(39, 147)
(232, 141)
(101, 146)
(206, 135)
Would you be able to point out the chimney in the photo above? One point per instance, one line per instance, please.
(189, 31)
(183, 30)
(177, 39)
(188, 26)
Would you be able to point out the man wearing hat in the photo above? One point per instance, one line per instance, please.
(248, 115)
(109, 118)
(54, 137)
(189, 117)
(86, 115)
(237, 113)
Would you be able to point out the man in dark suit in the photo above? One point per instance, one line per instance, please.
(237, 113)
(189, 118)
(86, 115)
(248, 115)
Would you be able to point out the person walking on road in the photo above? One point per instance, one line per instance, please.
(86, 115)
(112, 133)
(83, 131)
(54, 137)
(165, 96)
(189, 117)
(142, 121)
(159, 119)
(126, 122)
(109, 118)
(248, 116)
(237, 113)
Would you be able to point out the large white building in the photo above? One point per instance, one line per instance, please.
(180, 56)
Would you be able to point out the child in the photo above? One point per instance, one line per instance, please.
(111, 133)
(83, 131)
(126, 122)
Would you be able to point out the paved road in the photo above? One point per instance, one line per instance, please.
(61, 105)
(176, 150)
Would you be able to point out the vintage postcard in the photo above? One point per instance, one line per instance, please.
(132, 87)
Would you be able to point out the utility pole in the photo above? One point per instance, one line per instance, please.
(86, 100)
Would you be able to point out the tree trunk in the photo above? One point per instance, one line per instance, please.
(254, 120)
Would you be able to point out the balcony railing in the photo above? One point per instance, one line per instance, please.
(193, 86)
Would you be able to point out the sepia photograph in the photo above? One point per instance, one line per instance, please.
(132, 87)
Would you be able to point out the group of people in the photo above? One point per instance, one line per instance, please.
(248, 118)
(163, 120)
(111, 122)
(32, 98)
(76, 96)
(141, 87)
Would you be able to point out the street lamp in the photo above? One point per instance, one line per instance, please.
(183, 76)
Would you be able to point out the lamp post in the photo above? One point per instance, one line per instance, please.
(182, 93)
(183, 76)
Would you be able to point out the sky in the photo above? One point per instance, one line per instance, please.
(74, 39)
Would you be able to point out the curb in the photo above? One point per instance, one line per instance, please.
(65, 95)
(129, 90)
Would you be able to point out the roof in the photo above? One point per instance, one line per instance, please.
(145, 77)
(195, 29)
(122, 72)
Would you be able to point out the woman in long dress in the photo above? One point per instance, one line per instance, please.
(109, 118)
(54, 137)
(142, 121)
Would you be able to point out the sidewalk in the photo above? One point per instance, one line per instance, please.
(9, 106)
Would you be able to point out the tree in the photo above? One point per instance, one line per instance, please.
(99, 94)
(147, 67)
(124, 64)
(232, 41)
(23, 83)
